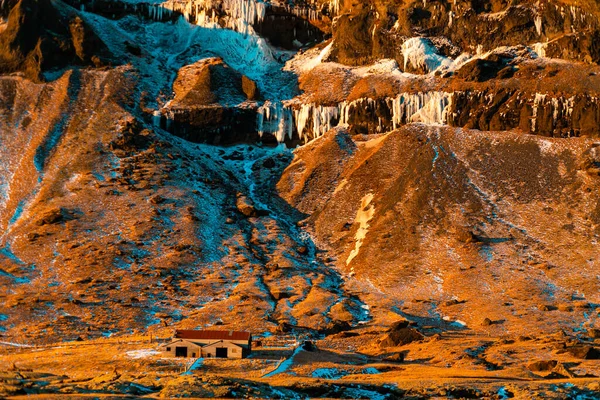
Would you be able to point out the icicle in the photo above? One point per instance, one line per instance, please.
(540, 49)
(334, 6)
(539, 99)
(156, 117)
(275, 119)
(538, 24)
(428, 108)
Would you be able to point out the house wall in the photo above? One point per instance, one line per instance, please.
(193, 350)
(233, 351)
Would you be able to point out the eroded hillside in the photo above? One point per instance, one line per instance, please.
(411, 186)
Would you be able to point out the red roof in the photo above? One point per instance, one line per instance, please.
(212, 335)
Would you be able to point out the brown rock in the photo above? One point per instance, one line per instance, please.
(396, 357)
(52, 216)
(565, 307)
(480, 70)
(302, 250)
(157, 199)
(249, 88)
(401, 324)
(38, 37)
(584, 352)
(594, 333)
(542, 365)
(245, 206)
(401, 337)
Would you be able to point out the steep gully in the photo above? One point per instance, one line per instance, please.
(283, 271)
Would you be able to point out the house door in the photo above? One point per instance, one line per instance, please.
(221, 352)
(180, 351)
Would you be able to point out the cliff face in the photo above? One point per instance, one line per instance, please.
(368, 31)
(486, 53)
(40, 35)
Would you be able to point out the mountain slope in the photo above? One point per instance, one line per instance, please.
(114, 227)
(501, 221)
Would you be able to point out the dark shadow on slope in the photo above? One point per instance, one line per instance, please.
(41, 35)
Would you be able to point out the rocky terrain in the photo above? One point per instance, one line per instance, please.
(409, 187)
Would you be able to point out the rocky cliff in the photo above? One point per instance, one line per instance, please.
(37, 36)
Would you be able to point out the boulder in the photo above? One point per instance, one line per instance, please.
(481, 70)
(53, 216)
(308, 346)
(400, 337)
(212, 81)
(584, 352)
(401, 324)
(594, 333)
(335, 326)
(206, 106)
(245, 206)
(396, 358)
(542, 365)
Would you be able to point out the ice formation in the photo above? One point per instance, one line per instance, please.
(540, 49)
(276, 119)
(538, 24)
(422, 54)
(323, 119)
(561, 108)
(428, 108)
(310, 121)
(240, 15)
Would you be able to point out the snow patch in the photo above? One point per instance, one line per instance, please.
(12, 344)
(422, 54)
(144, 353)
(363, 216)
(304, 65)
(540, 49)
(195, 365)
(285, 365)
(328, 373)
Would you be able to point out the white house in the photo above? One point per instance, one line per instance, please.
(208, 344)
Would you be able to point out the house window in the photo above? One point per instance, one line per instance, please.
(234, 350)
(168, 349)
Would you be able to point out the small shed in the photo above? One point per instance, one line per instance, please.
(208, 344)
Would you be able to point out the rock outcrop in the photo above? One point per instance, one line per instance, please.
(367, 31)
(40, 35)
(213, 103)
